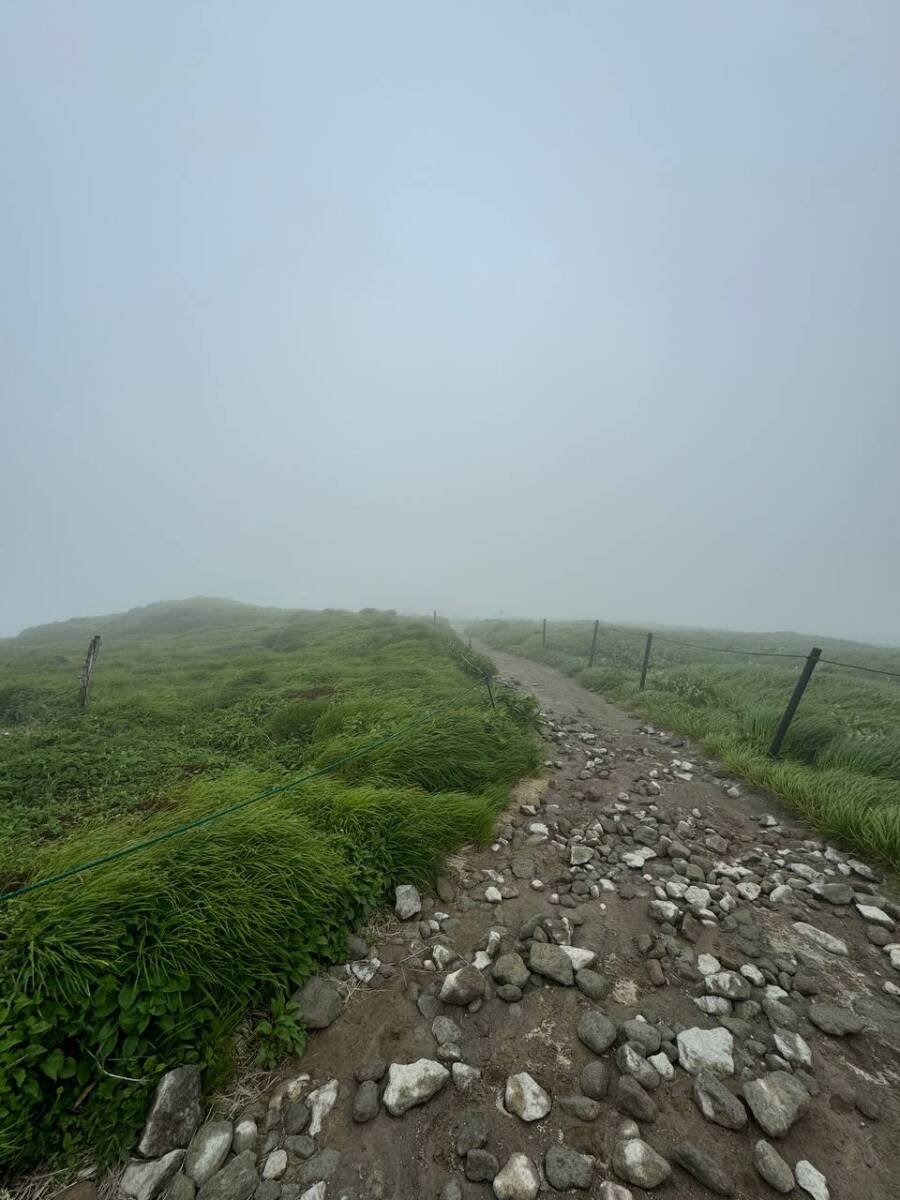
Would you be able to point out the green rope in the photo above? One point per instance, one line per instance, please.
(114, 855)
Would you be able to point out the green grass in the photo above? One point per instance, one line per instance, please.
(154, 959)
(840, 762)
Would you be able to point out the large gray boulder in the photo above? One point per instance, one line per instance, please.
(551, 961)
(463, 986)
(175, 1113)
(414, 1083)
(145, 1180)
(238, 1181)
(318, 1002)
(208, 1150)
(776, 1101)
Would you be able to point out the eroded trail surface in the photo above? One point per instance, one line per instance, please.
(653, 983)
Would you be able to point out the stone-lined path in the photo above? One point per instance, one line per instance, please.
(653, 983)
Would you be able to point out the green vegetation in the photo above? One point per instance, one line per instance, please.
(840, 763)
(114, 975)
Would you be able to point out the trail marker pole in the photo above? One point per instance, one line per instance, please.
(593, 644)
(646, 662)
(487, 680)
(87, 670)
(799, 688)
(434, 617)
(544, 632)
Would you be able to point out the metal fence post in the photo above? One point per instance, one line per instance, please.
(646, 662)
(593, 644)
(544, 632)
(799, 688)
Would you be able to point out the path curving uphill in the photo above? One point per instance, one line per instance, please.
(653, 982)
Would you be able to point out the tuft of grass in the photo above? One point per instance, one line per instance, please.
(117, 974)
(840, 762)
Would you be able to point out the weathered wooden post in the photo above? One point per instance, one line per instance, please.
(593, 644)
(487, 680)
(646, 662)
(434, 617)
(90, 661)
(544, 632)
(799, 688)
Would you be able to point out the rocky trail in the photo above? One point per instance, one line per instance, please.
(652, 983)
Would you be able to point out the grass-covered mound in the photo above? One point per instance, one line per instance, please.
(119, 973)
(840, 762)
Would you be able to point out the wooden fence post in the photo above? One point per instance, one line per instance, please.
(646, 662)
(434, 617)
(87, 669)
(593, 644)
(799, 688)
(544, 632)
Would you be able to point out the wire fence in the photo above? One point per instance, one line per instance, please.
(809, 660)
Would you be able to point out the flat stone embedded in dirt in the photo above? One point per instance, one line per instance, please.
(772, 1167)
(544, 958)
(175, 1113)
(596, 1031)
(818, 937)
(704, 1168)
(717, 1103)
(706, 1050)
(366, 1102)
(637, 1162)
(510, 969)
(776, 1101)
(518, 1179)
(410, 1084)
(567, 1170)
(595, 1079)
(834, 1020)
(321, 1102)
(591, 983)
(525, 1098)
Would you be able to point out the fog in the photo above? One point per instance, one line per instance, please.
(554, 309)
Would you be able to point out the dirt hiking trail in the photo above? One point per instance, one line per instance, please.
(654, 982)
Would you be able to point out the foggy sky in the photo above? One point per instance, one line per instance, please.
(560, 308)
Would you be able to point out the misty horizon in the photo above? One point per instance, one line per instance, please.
(556, 310)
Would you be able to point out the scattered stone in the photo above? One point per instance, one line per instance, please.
(706, 1050)
(321, 1166)
(551, 961)
(413, 1083)
(510, 969)
(366, 1102)
(463, 986)
(592, 984)
(596, 1031)
(321, 1102)
(208, 1150)
(275, 1164)
(566, 1169)
(318, 1002)
(145, 1180)
(595, 1079)
(704, 1168)
(638, 1163)
(525, 1098)
(236, 1181)
(174, 1115)
(581, 1107)
(481, 1166)
(465, 1078)
(875, 915)
(632, 1099)
(717, 1103)
(408, 901)
(613, 1191)
(776, 1101)
(811, 1180)
(772, 1167)
(518, 1179)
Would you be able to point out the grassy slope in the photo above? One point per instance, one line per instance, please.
(840, 763)
(120, 972)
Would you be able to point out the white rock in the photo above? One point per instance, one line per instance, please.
(245, 1135)
(537, 885)
(792, 1047)
(613, 1191)
(875, 915)
(713, 1006)
(811, 1180)
(708, 964)
(408, 901)
(539, 829)
(825, 941)
(365, 969)
(749, 890)
(442, 956)
(518, 1179)
(636, 858)
(579, 855)
(579, 958)
(482, 959)
(676, 888)
(706, 1050)
(321, 1102)
(753, 975)
(662, 1066)
(782, 892)
(316, 1192)
(526, 1098)
(275, 1164)
(492, 895)
(413, 1083)
(664, 910)
(697, 897)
